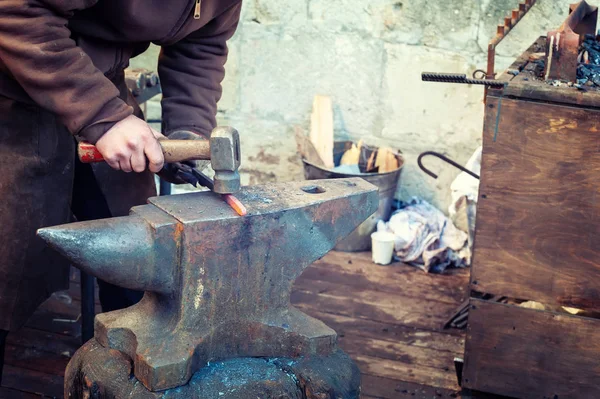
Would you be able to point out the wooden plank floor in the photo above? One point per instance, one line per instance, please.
(388, 319)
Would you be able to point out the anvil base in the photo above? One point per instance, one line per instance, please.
(96, 372)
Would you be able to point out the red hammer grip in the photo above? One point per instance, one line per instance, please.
(88, 153)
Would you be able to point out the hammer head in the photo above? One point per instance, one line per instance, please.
(225, 159)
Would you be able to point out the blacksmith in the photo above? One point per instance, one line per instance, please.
(62, 80)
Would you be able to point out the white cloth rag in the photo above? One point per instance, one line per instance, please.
(426, 238)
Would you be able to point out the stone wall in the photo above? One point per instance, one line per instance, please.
(368, 56)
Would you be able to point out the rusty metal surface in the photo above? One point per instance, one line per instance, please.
(562, 49)
(502, 31)
(217, 285)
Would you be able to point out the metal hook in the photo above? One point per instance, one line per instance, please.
(443, 158)
(479, 74)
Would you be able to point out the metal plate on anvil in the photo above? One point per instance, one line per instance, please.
(260, 200)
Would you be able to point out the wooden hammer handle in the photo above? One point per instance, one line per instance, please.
(173, 150)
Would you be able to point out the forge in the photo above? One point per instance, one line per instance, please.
(216, 319)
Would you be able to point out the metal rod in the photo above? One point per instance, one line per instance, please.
(459, 78)
(88, 306)
(445, 159)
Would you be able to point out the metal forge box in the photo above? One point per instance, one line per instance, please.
(537, 238)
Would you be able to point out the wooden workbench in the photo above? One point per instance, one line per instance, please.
(537, 239)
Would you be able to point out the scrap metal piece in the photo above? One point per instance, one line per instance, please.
(217, 285)
(562, 48)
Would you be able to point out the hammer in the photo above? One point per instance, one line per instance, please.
(222, 150)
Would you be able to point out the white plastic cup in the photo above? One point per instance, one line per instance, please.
(382, 243)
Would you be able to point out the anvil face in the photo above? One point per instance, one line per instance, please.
(217, 285)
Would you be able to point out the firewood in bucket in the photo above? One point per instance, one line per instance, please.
(386, 160)
(352, 156)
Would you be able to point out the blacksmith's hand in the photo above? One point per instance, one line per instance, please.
(130, 144)
(181, 172)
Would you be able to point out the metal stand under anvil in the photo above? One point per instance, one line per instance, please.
(217, 303)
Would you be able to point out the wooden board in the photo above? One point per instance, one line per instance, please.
(387, 388)
(376, 306)
(8, 393)
(529, 353)
(321, 130)
(538, 216)
(451, 341)
(388, 319)
(29, 381)
(36, 359)
(349, 270)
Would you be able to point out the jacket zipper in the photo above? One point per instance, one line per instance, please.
(197, 9)
(174, 35)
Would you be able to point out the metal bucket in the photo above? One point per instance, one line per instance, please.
(360, 239)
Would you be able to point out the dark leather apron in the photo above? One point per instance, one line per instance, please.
(37, 158)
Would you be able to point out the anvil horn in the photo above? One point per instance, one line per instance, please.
(129, 254)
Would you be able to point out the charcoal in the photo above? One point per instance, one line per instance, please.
(588, 74)
(583, 72)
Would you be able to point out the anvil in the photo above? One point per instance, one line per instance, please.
(217, 286)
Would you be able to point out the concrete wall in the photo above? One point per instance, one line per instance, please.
(367, 55)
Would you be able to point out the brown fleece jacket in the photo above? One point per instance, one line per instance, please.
(62, 54)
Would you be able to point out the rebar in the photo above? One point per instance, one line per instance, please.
(459, 78)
